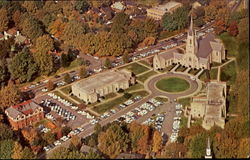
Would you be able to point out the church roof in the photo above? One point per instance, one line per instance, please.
(204, 46)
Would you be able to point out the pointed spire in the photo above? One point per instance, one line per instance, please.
(208, 143)
(191, 28)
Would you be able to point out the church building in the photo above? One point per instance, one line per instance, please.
(199, 52)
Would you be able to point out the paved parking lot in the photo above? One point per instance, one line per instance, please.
(80, 119)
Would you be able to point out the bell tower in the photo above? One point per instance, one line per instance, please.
(191, 43)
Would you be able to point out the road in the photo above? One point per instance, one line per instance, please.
(98, 64)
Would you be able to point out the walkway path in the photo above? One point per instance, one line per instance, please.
(219, 67)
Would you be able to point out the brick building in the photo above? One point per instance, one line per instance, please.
(24, 114)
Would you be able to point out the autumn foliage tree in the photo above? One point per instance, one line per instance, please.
(17, 151)
(50, 85)
(157, 141)
(44, 44)
(233, 29)
(220, 27)
(3, 19)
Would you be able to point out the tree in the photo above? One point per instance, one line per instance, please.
(83, 72)
(4, 74)
(220, 27)
(243, 30)
(3, 20)
(45, 63)
(93, 155)
(72, 30)
(157, 141)
(198, 146)
(125, 58)
(50, 85)
(98, 128)
(67, 78)
(49, 137)
(10, 95)
(6, 148)
(210, 13)
(44, 44)
(76, 141)
(120, 23)
(23, 67)
(113, 141)
(59, 153)
(66, 130)
(56, 28)
(176, 21)
(64, 60)
(82, 6)
(16, 17)
(28, 154)
(107, 63)
(29, 134)
(17, 151)
(135, 133)
(31, 28)
(143, 144)
(233, 29)
(5, 132)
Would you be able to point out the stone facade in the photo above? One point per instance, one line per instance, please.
(158, 12)
(211, 106)
(199, 52)
(91, 89)
(24, 114)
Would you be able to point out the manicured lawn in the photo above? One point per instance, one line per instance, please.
(204, 75)
(139, 93)
(181, 69)
(109, 105)
(110, 95)
(135, 68)
(228, 73)
(172, 84)
(145, 63)
(145, 76)
(135, 87)
(213, 73)
(161, 99)
(77, 99)
(66, 90)
(167, 68)
(185, 101)
(184, 121)
(230, 44)
(193, 72)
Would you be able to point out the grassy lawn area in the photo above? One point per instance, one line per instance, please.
(228, 73)
(185, 101)
(145, 63)
(184, 121)
(193, 72)
(139, 93)
(204, 75)
(161, 99)
(137, 86)
(230, 44)
(66, 90)
(145, 76)
(213, 73)
(135, 68)
(167, 68)
(77, 99)
(64, 97)
(181, 69)
(110, 95)
(109, 105)
(172, 84)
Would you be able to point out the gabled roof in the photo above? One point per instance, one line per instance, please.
(204, 46)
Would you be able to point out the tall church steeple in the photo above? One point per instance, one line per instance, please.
(191, 45)
(208, 150)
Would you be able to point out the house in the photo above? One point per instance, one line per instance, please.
(95, 87)
(24, 114)
(199, 52)
(158, 11)
(118, 6)
(211, 107)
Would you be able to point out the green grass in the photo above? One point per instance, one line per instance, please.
(139, 93)
(181, 69)
(185, 101)
(172, 84)
(213, 73)
(145, 76)
(137, 86)
(193, 72)
(184, 121)
(77, 99)
(161, 99)
(64, 97)
(145, 63)
(110, 95)
(230, 44)
(167, 68)
(109, 105)
(66, 90)
(228, 73)
(135, 68)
